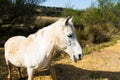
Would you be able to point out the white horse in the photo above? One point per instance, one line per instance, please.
(36, 50)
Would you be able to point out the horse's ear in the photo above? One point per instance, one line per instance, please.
(68, 19)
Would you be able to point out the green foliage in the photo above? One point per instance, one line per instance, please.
(96, 25)
(92, 16)
(75, 13)
(48, 11)
(95, 34)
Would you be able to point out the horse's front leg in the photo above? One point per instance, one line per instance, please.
(30, 72)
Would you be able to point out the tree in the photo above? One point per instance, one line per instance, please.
(109, 10)
(12, 11)
(35, 2)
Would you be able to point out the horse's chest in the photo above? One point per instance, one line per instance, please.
(45, 62)
(39, 60)
(42, 62)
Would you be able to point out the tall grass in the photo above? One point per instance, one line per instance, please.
(95, 34)
(102, 35)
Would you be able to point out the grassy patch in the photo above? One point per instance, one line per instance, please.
(101, 46)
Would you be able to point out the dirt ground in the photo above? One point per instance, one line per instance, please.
(100, 65)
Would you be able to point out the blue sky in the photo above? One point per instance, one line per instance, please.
(76, 4)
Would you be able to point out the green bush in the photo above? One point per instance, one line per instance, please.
(96, 25)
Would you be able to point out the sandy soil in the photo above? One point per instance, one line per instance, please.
(100, 65)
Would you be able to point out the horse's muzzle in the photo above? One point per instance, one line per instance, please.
(77, 57)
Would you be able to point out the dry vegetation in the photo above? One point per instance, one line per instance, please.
(99, 65)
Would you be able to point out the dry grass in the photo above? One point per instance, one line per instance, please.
(99, 65)
(47, 18)
(42, 21)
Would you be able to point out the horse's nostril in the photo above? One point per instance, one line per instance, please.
(80, 56)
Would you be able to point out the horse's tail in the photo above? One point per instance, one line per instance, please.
(6, 53)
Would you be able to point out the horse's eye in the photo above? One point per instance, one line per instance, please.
(70, 35)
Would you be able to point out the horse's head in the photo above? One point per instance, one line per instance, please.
(67, 40)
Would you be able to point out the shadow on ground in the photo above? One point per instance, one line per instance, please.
(69, 72)
(64, 72)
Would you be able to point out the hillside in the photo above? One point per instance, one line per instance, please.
(49, 11)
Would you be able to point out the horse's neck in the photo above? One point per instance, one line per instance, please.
(45, 38)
